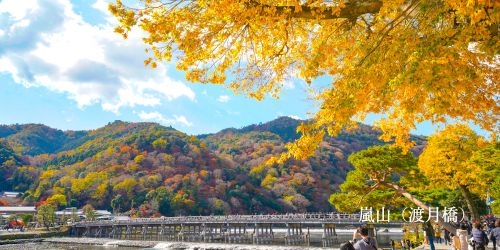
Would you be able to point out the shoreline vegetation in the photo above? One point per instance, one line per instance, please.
(33, 235)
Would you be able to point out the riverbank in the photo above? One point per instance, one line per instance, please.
(35, 234)
(19, 241)
(102, 242)
(170, 245)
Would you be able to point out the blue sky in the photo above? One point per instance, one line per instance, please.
(61, 65)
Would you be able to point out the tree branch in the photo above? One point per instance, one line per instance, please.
(351, 10)
(419, 203)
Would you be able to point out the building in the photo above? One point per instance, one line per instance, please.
(9, 194)
(71, 212)
(6, 212)
(17, 210)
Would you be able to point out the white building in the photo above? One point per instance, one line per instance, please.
(17, 210)
(9, 194)
(72, 211)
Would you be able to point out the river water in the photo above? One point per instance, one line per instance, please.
(383, 239)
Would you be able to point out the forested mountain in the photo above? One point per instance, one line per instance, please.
(34, 139)
(148, 169)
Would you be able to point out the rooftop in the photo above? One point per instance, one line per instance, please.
(17, 209)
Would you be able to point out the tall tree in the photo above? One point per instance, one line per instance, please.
(446, 162)
(382, 176)
(487, 160)
(46, 215)
(90, 213)
(414, 60)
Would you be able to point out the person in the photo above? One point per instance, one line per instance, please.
(462, 236)
(479, 237)
(447, 238)
(408, 244)
(455, 242)
(426, 240)
(495, 235)
(429, 231)
(437, 234)
(347, 246)
(393, 245)
(366, 242)
(357, 235)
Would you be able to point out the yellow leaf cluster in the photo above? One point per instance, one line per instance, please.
(446, 159)
(416, 60)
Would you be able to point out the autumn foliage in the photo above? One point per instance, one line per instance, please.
(413, 61)
(149, 170)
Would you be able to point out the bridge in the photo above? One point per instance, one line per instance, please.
(250, 229)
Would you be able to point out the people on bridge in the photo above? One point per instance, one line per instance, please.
(366, 242)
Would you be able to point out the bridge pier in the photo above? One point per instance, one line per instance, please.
(136, 232)
(128, 232)
(213, 232)
(329, 237)
(119, 232)
(295, 236)
(144, 232)
(263, 234)
(236, 233)
(85, 232)
(98, 232)
(174, 230)
(191, 232)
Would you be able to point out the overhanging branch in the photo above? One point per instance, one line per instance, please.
(351, 10)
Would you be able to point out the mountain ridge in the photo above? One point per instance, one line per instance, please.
(148, 168)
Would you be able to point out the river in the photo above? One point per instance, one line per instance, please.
(67, 243)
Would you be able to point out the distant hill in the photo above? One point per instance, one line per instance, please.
(33, 139)
(148, 168)
(9, 161)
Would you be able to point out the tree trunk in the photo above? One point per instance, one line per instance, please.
(470, 204)
(409, 196)
(420, 204)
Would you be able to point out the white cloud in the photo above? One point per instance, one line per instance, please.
(182, 119)
(44, 43)
(101, 5)
(223, 98)
(295, 117)
(156, 116)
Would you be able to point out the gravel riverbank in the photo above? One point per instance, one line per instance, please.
(169, 245)
(20, 241)
(103, 242)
